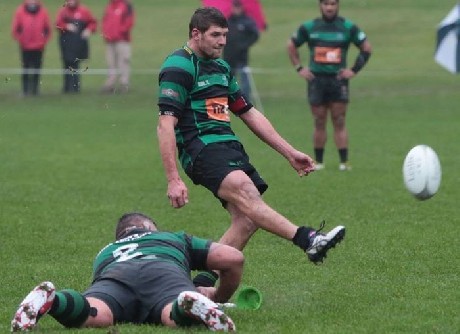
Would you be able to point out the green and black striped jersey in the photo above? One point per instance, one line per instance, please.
(186, 251)
(328, 42)
(200, 93)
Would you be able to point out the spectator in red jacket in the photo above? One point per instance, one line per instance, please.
(31, 28)
(75, 24)
(117, 24)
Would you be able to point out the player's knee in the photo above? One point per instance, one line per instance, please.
(101, 315)
(320, 122)
(339, 121)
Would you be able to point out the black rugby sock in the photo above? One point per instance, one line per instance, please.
(319, 154)
(206, 279)
(302, 237)
(343, 154)
(70, 308)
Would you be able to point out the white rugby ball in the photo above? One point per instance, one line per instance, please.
(422, 172)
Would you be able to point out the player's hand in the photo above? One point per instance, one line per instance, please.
(306, 74)
(209, 292)
(177, 193)
(345, 73)
(302, 163)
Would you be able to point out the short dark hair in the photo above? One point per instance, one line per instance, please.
(325, 0)
(132, 219)
(204, 18)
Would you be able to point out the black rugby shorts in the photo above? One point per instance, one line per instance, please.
(136, 291)
(325, 89)
(217, 160)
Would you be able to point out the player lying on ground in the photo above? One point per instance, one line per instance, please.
(142, 278)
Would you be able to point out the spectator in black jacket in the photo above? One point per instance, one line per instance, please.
(75, 24)
(242, 34)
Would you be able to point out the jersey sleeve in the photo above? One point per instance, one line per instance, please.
(357, 35)
(238, 103)
(198, 249)
(175, 83)
(300, 36)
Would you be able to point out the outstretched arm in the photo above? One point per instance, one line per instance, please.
(263, 129)
(177, 191)
(229, 262)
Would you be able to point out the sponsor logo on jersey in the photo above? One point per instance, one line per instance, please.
(169, 92)
(361, 36)
(203, 83)
(235, 163)
(217, 109)
(328, 55)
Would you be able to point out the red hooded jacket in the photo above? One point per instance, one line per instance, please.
(31, 29)
(118, 21)
(80, 15)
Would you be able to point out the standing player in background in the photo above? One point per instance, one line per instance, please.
(197, 93)
(328, 38)
(75, 24)
(117, 23)
(31, 28)
(242, 34)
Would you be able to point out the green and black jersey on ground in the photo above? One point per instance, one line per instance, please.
(185, 251)
(200, 93)
(328, 42)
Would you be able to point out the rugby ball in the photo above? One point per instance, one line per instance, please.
(422, 172)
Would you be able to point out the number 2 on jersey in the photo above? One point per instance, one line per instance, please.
(126, 252)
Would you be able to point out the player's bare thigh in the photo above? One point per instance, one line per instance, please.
(238, 188)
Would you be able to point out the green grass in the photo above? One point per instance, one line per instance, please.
(70, 166)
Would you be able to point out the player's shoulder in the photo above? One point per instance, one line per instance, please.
(347, 23)
(182, 52)
(309, 24)
(186, 237)
(179, 59)
(221, 62)
(183, 236)
(172, 234)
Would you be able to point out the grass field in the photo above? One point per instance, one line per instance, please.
(70, 166)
